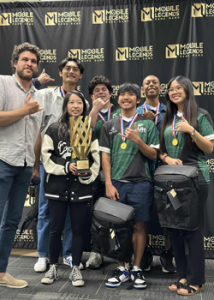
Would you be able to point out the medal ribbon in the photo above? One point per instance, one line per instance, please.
(174, 133)
(62, 92)
(108, 115)
(130, 125)
(157, 110)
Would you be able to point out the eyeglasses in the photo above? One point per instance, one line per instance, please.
(175, 89)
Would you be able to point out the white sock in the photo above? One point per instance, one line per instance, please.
(136, 268)
(121, 268)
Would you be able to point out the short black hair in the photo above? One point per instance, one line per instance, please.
(63, 63)
(130, 87)
(100, 79)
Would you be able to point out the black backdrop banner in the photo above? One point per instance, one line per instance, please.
(125, 41)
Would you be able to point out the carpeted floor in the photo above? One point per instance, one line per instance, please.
(94, 289)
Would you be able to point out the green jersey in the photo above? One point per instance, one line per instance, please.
(100, 121)
(128, 163)
(183, 152)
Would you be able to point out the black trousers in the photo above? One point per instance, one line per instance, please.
(79, 212)
(191, 265)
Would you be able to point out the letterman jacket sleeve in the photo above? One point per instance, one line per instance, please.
(95, 167)
(53, 162)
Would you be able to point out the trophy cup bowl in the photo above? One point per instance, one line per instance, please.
(80, 141)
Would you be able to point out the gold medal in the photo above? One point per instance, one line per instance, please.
(123, 145)
(174, 142)
(73, 155)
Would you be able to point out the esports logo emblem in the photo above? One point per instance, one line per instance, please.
(135, 53)
(51, 19)
(18, 18)
(63, 18)
(198, 88)
(48, 55)
(160, 13)
(198, 10)
(203, 88)
(110, 16)
(210, 165)
(87, 55)
(147, 14)
(5, 19)
(122, 54)
(98, 17)
(172, 51)
(184, 50)
(115, 90)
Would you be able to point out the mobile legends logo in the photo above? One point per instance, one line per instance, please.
(209, 243)
(200, 10)
(63, 18)
(184, 50)
(210, 165)
(87, 55)
(110, 16)
(156, 241)
(48, 55)
(203, 88)
(160, 13)
(18, 18)
(115, 91)
(135, 53)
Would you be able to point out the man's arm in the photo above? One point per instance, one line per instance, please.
(12, 116)
(111, 191)
(37, 151)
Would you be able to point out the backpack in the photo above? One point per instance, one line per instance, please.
(176, 196)
(112, 229)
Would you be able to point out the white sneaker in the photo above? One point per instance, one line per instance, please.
(118, 277)
(94, 261)
(68, 262)
(138, 279)
(76, 277)
(41, 264)
(51, 275)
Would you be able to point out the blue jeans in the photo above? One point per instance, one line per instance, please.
(43, 226)
(14, 182)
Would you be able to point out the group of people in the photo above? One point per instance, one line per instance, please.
(127, 145)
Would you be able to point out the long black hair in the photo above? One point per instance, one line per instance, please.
(190, 111)
(63, 131)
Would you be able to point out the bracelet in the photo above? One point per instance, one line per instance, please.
(193, 132)
(165, 158)
(195, 139)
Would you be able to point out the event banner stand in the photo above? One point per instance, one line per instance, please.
(125, 40)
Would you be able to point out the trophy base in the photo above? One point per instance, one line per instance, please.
(83, 167)
(84, 172)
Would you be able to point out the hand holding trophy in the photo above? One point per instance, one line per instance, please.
(80, 141)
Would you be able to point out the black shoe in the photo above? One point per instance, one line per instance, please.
(117, 278)
(138, 279)
(166, 263)
(146, 261)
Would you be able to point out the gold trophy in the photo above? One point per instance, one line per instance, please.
(80, 140)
